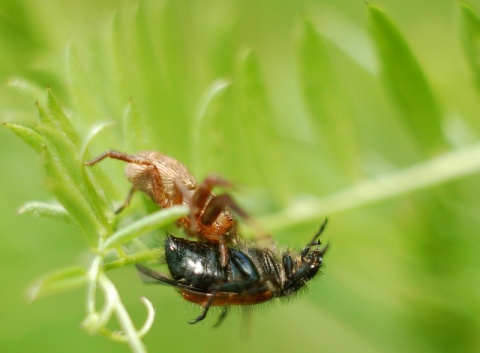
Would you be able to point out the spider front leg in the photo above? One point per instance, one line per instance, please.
(216, 206)
(142, 173)
(120, 156)
(213, 206)
(204, 190)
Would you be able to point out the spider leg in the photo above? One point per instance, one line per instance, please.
(202, 194)
(217, 204)
(184, 195)
(120, 156)
(125, 203)
(181, 192)
(150, 174)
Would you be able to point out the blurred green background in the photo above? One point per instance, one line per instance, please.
(317, 101)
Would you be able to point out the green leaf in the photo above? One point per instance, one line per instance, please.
(46, 210)
(316, 73)
(146, 224)
(44, 116)
(470, 30)
(97, 177)
(58, 281)
(257, 128)
(158, 54)
(69, 173)
(151, 69)
(66, 178)
(61, 120)
(29, 135)
(74, 201)
(92, 134)
(207, 134)
(407, 85)
(62, 150)
(32, 90)
(325, 100)
(136, 130)
(83, 94)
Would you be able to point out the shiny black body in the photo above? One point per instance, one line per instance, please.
(248, 271)
(252, 275)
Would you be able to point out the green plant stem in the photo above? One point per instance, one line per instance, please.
(129, 259)
(146, 224)
(449, 166)
(133, 337)
(92, 287)
(96, 321)
(119, 337)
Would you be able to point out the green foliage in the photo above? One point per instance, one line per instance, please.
(470, 22)
(55, 138)
(324, 98)
(157, 76)
(420, 113)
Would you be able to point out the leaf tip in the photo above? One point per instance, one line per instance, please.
(374, 10)
(33, 292)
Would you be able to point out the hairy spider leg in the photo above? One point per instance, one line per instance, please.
(206, 209)
(201, 196)
(158, 193)
(213, 206)
(125, 203)
(120, 156)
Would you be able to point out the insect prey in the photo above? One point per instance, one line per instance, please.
(252, 275)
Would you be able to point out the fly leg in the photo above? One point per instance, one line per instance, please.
(222, 316)
(204, 313)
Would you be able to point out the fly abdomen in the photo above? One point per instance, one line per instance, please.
(193, 263)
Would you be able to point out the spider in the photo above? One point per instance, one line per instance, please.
(253, 275)
(168, 182)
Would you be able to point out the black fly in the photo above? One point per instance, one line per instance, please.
(252, 275)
